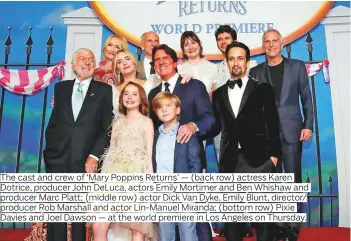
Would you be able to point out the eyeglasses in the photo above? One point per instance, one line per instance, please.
(83, 59)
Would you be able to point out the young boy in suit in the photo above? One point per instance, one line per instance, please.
(168, 156)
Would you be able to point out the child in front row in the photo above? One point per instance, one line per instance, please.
(168, 156)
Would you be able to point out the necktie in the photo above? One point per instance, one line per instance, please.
(152, 70)
(231, 83)
(167, 87)
(78, 100)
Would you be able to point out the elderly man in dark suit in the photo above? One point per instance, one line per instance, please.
(77, 132)
(196, 115)
(290, 83)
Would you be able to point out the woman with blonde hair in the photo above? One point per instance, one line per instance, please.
(105, 72)
(125, 71)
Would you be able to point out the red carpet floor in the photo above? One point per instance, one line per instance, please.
(306, 234)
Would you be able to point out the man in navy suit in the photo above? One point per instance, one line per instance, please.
(196, 115)
(290, 83)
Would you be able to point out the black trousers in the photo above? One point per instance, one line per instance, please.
(265, 231)
(58, 231)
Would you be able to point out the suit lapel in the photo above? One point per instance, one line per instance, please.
(248, 89)
(286, 75)
(157, 134)
(267, 75)
(176, 89)
(226, 100)
(68, 99)
(89, 99)
(176, 151)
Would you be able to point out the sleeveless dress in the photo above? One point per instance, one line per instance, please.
(128, 154)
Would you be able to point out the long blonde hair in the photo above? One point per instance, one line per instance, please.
(124, 44)
(117, 73)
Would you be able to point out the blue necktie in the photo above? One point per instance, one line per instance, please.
(78, 100)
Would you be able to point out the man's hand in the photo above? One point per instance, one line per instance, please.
(274, 160)
(306, 135)
(185, 132)
(186, 78)
(91, 165)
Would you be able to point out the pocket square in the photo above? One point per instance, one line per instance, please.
(92, 94)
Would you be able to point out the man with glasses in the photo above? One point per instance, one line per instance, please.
(77, 132)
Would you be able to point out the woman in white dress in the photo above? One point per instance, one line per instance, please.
(194, 63)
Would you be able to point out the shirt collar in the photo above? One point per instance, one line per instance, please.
(173, 131)
(147, 61)
(172, 81)
(85, 82)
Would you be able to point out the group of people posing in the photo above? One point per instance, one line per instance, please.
(159, 113)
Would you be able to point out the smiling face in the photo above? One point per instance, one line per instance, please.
(111, 48)
(223, 40)
(125, 63)
(84, 65)
(150, 40)
(164, 65)
(191, 48)
(272, 44)
(131, 97)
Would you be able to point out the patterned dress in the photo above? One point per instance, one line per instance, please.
(128, 154)
(105, 75)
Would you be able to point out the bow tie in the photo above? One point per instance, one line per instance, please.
(231, 83)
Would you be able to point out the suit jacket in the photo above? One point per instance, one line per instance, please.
(186, 156)
(255, 127)
(69, 142)
(196, 105)
(295, 85)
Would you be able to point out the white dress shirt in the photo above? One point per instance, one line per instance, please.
(85, 86)
(235, 95)
(172, 83)
(147, 67)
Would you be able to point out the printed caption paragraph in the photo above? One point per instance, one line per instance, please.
(118, 197)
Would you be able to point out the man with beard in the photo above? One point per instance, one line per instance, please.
(225, 35)
(246, 114)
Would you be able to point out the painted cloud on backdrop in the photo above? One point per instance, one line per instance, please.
(54, 18)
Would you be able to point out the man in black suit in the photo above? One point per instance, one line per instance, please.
(196, 114)
(246, 114)
(77, 132)
(290, 83)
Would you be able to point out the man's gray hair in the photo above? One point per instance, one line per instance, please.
(272, 30)
(74, 58)
(146, 33)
